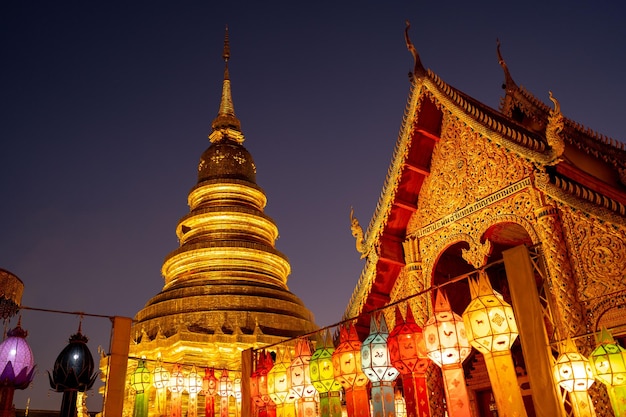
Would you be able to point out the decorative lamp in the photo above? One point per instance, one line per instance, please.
(302, 390)
(491, 329)
(17, 367)
(608, 361)
(237, 394)
(348, 372)
(258, 385)
(278, 385)
(193, 383)
(225, 390)
(160, 381)
(376, 364)
(176, 387)
(140, 381)
(408, 355)
(11, 289)
(73, 372)
(323, 377)
(209, 386)
(573, 373)
(447, 345)
(400, 405)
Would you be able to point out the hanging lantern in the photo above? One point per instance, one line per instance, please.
(573, 373)
(301, 387)
(491, 329)
(608, 361)
(193, 386)
(376, 364)
(323, 378)
(408, 355)
(176, 386)
(278, 385)
(447, 345)
(11, 289)
(209, 386)
(17, 367)
(140, 381)
(348, 372)
(258, 385)
(160, 381)
(225, 390)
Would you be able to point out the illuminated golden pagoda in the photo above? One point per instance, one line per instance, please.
(226, 285)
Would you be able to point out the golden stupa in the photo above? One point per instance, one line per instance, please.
(225, 287)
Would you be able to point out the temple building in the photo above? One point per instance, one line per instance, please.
(520, 199)
(225, 287)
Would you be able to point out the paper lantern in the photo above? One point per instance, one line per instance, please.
(376, 364)
(17, 367)
(176, 387)
(608, 362)
(348, 372)
(225, 390)
(375, 359)
(193, 386)
(491, 329)
(258, 383)
(279, 386)
(445, 339)
(299, 372)
(323, 377)
(209, 386)
(140, 379)
(572, 371)
(447, 345)
(160, 381)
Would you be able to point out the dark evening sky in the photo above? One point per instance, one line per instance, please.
(106, 108)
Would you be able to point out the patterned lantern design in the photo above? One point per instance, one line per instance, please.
(348, 372)
(573, 373)
(376, 364)
(608, 361)
(447, 345)
(17, 367)
(258, 386)
(225, 390)
(72, 372)
(193, 386)
(301, 387)
(408, 355)
(278, 386)
(491, 329)
(140, 381)
(323, 378)
(176, 387)
(209, 386)
(160, 380)
(237, 394)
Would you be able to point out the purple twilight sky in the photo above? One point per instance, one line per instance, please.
(106, 108)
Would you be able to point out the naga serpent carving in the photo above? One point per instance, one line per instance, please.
(357, 233)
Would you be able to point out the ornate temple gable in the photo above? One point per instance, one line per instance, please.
(465, 167)
(598, 253)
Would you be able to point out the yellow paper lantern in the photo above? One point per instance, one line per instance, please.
(140, 379)
(572, 371)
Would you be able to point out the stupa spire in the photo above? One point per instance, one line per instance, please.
(226, 125)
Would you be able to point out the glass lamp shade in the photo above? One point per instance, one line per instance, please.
(160, 377)
(17, 365)
(209, 382)
(375, 360)
(225, 385)
(572, 370)
(299, 371)
(278, 385)
(608, 361)
(177, 380)
(445, 340)
(194, 382)
(321, 367)
(406, 345)
(258, 380)
(347, 360)
(489, 320)
(141, 379)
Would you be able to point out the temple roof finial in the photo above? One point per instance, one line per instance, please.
(226, 125)
(508, 80)
(417, 66)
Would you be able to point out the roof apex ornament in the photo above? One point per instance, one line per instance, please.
(226, 125)
(357, 232)
(418, 68)
(555, 125)
(508, 80)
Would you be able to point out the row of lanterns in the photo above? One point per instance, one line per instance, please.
(310, 383)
